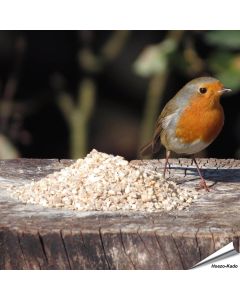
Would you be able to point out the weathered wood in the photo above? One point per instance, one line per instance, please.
(35, 237)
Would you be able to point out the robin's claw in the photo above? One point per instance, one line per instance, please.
(202, 185)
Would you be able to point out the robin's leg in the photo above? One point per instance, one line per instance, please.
(166, 162)
(185, 171)
(203, 182)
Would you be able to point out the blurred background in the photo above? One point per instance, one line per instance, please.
(63, 93)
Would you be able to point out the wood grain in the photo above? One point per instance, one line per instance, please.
(35, 237)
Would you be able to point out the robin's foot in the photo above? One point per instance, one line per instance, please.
(167, 170)
(202, 185)
(166, 163)
(164, 172)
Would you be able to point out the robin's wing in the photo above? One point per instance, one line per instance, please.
(169, 113)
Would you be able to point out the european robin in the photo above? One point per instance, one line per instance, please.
(190, 121)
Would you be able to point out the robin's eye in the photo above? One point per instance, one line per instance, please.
(202, 90)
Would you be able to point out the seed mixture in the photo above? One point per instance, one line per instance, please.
(106, 183)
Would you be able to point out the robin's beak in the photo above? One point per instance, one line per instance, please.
(223, 91)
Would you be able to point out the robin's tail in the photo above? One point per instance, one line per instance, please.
(149, 149)
(146, 150)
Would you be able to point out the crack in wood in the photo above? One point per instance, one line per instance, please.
(78, 234)
(21, 249)
(87, 256)
(162, 251)
(180, 257)
(43, 247)
(124, 249)
(214, 246)
(2, 250)
(196, 243)
(236, 241)
(236, 244)
(65, 250)
(198, 247)
(144, 244)
(81, 235)
(103, 248)
(185, 171)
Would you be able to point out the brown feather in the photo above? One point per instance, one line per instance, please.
(154, 145)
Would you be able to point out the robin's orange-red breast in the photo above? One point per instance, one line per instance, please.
(190, 121)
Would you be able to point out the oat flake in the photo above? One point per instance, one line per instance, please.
(106, 183)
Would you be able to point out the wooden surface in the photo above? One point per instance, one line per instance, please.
(34, 237)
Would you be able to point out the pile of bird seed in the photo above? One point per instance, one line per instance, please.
(105, 182)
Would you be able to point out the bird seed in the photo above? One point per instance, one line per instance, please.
(105, 182)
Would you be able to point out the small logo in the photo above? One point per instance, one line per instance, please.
(229, 266)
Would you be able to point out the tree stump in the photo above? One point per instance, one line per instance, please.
(35, 237)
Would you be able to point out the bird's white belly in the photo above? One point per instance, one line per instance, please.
(176, 145)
